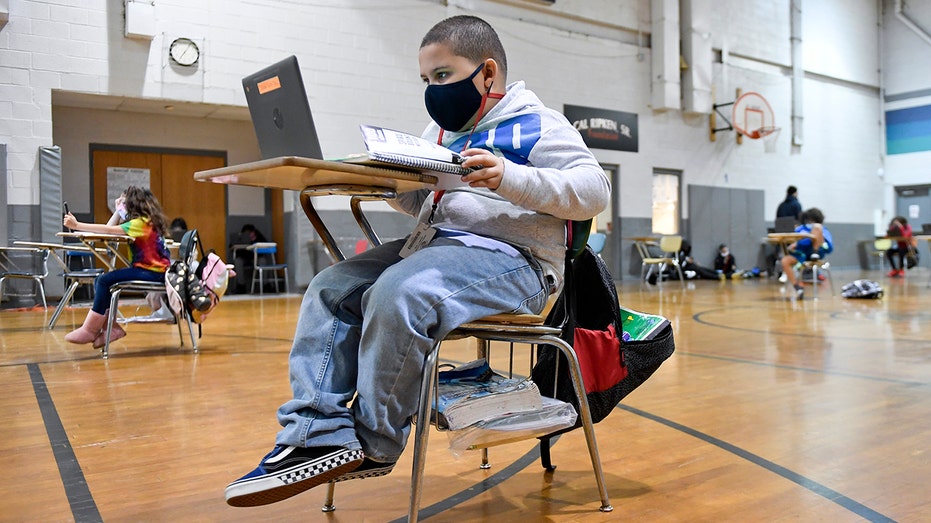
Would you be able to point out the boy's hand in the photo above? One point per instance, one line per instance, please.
(490, 168)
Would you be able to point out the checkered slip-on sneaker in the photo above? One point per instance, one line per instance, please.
(288, 471)
(368, 469)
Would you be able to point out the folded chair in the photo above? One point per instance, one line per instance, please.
(526, 329)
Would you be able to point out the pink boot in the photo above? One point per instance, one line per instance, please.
(88, 332)
(116, 333)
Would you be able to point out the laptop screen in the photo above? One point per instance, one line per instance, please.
(280, 111)
(785, 224)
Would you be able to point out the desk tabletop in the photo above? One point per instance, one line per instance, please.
(643, 238)
(99, 236)
(54, 246)
(786, 236)
(251, 246)
(21, 248)
(296, 174)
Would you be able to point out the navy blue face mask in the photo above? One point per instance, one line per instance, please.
(452, 105)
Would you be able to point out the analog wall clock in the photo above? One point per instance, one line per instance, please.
(184, 52)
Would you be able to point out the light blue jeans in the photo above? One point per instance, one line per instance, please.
(366, 325)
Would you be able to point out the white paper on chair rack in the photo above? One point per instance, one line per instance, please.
(554, 415)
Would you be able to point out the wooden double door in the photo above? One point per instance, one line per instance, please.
(171, 180)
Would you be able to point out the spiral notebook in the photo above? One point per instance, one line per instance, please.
(396, 149)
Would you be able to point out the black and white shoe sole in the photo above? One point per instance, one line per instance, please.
(368, 473)
(283, 484)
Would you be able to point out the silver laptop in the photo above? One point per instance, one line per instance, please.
(280, 111)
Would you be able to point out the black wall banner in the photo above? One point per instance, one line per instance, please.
(604, 129)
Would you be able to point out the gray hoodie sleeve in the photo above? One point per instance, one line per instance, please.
(563, 178)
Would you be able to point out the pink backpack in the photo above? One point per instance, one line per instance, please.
(195, 288)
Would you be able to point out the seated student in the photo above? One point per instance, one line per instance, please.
(494, 245)
(724, 263)
(818, 246)
(140, 216)
(249, 234)
(690, 268)
(177, 229)
(901, 231)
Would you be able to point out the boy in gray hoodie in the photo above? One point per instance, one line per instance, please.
(494, 244)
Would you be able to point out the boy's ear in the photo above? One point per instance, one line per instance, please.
(492, 73)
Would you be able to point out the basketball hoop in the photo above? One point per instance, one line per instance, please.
(752, 116)
(770, 136)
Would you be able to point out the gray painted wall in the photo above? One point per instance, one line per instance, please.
(5, 215)
(731, 216)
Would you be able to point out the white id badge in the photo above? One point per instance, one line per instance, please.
(418, 239)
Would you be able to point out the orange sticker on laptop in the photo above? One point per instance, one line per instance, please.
(269, 85)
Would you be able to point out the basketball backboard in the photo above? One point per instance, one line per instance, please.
(752, 115)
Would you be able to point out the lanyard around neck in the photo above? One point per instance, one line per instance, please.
(438, 195)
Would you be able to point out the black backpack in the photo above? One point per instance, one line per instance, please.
(590, 289)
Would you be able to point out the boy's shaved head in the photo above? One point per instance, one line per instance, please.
(469, 37)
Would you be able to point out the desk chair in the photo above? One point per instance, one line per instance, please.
(528, 329)
(35, 262)
(596, 241)
(817, 266)
(76, 279)
(263, 259)
(880, 247)
(141, 287)
(81, 263)
(669, 246)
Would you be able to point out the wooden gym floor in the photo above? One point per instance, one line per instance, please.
(770, 410)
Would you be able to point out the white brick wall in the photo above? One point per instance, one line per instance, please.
(907, 72)
(359, 64)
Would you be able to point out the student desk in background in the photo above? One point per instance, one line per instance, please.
(6, 253)
(58, 251)
(311, 177)
(100, 243)
(786, 239)
(643, 244)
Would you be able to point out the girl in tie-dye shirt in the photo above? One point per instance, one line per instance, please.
(143, 220)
